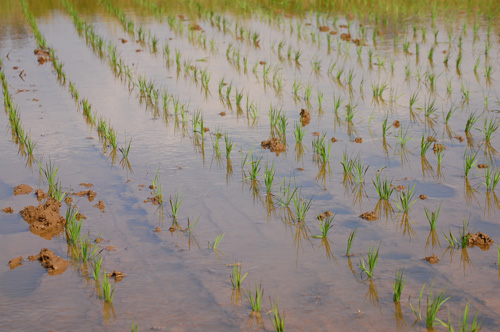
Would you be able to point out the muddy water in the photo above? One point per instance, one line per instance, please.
(174, 282)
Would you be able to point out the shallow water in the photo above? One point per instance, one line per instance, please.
(174, 281)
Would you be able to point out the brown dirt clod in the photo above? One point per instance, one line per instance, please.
(117, 275)
(89, 193)
(324, 28)
(43, 56)
(15, 262)
(438, 147)
(40, 195)
(50, 261)
(305, 117)
(482, 165)
(274, 145)
(326, 214)
(100, 205)
(68, 200)
(44, 219)
(460, 138)
(370, 216)
(480, 240)
(346, 37)
(315, 134)
(433, 259)
(86, 185)
(222, 113)
(358, 140)
(8, 209)
(334, 140)
(422, 197)
(396, 124)
(22, 189)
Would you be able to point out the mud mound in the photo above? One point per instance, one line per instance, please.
(274, 145)
(480, 240)
(8, 209)
(15, 262)
(50, 261)
(40, 195)
(370, 215)
(22, 189)
(89, 193)
(432, 259)
(305, 117)
(44, 219)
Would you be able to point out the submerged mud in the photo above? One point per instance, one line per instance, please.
(22, 189)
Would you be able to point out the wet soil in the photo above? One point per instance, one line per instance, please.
(45, 219)
(100, 205)
(40, 195)
(8, 209)
(22, 189)
(324, 215)
(49, 260)
(369, 215)
(89, 193)
(305, 117)
(433, 259)
(117, 275)
(15, 262)
(480, 240)
(274, 145)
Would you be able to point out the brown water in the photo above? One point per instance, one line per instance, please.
(175, 282)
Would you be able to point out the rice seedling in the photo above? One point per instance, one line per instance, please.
(432, 217)
(350, 112)
(322, 148)
(175, 204)
(469, 161)
(255, 298)
(350, 240)
(465, 93)
(229, 145)
(384, 188)
(459, 61)
(418, 309)
(217, 241)
(282, 124)
(108, 290)
(492, 177)
(301, 206)
(269, 177)
(325, 226)
(337, 102)
(403, 136)
(97, 263)
(405, 199)
(378, 89)
(369, 265)
(50, 172)
(236, 277)
(463, 237)
(73, 226)
(192, 226)
(434, 303)
(286, 194)
(299, 133)
(359, 170)
(477, 65)
(126, 149)
(277, 320)
(464, 323)
(488, 71)
(425, 144)
(398, 285)
(490, 126)
(471, 120)
(439, 155)
(431, 53)
(430, 108)
(254, 170)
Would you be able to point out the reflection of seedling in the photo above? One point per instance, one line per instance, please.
(278, 321)
(398, 285)
(256, 300)
(350, 239)
(372, 262)
(176, 204)
(432, 217)
(236, 277)
(325, 226)
(406, 199)
(217, 241)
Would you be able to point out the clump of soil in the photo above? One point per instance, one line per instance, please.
(333, 32)
(50, 261)
(80, 216)
(346, 37)
(86, 185)
(43, 55)
(432, 259)
(274, 145)
(154, 200)
(8, 209)
(400, 187)
(422, 197)
(117, 275)
(480, 240)
(370, 216)
(196, 27)
(305, 117)
(358, 140)
(460, 138)
(324, 28)
(22, 189)
(157, 229)
(100, 205)
(89, 193)
(334, 140)
(222, 113)
(40, 195)
(315, 133)
(438, 147)
(123, 40)
(15, 262)
(431, 139)
(326, 214)
(482, 165)
(396, 124)
(44, 219)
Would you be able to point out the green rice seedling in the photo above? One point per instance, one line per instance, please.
(236, 277)
(378, 89)
(459, 61)
(406, 199)
(135, 327)
(192, 226)
(347, 164)
(433, 306)
(465, 93)
(175, 204)
(430, 108)
(97, 263)
(255, 298)
(350, 112)
(73, 226)
(350, 240)
(463, 237)
(418, 310)
(471, 120)
(403, 136)
(439, 155)
(154, 43)
(254, 170)
(269, 177)
(307, 93)
(478, 60)
(490, 126)
(108, 290)
(469, 161)
(322, 148)
(417, 49)
(301, 206)
(229, 145)
(325, 226)
(431, 53)
(432, 217)
(446, 59)
(286, 193)
(320, 99)
(29, 144)
(498, 263)
(425, 144)
(299, 133)
(359, 170)
(492, 177)
(276, 319)
(369, 265)
(337, 102)
(50, 173)
(385, 127)
(398, 285)
(239, 97)
(384, 188)
(282, 124)
(217, 241)
(126, 149)
(488, 71)
(464, 324)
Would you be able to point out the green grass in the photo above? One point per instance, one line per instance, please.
(350, 240)
(325, 226)
(175, 204)
(369, 265)
(236, 277)
(255, 298)
(406, 200)
(398, 285)
(432, 217)
(276, 318)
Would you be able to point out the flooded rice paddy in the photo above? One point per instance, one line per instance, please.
(317, 150)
